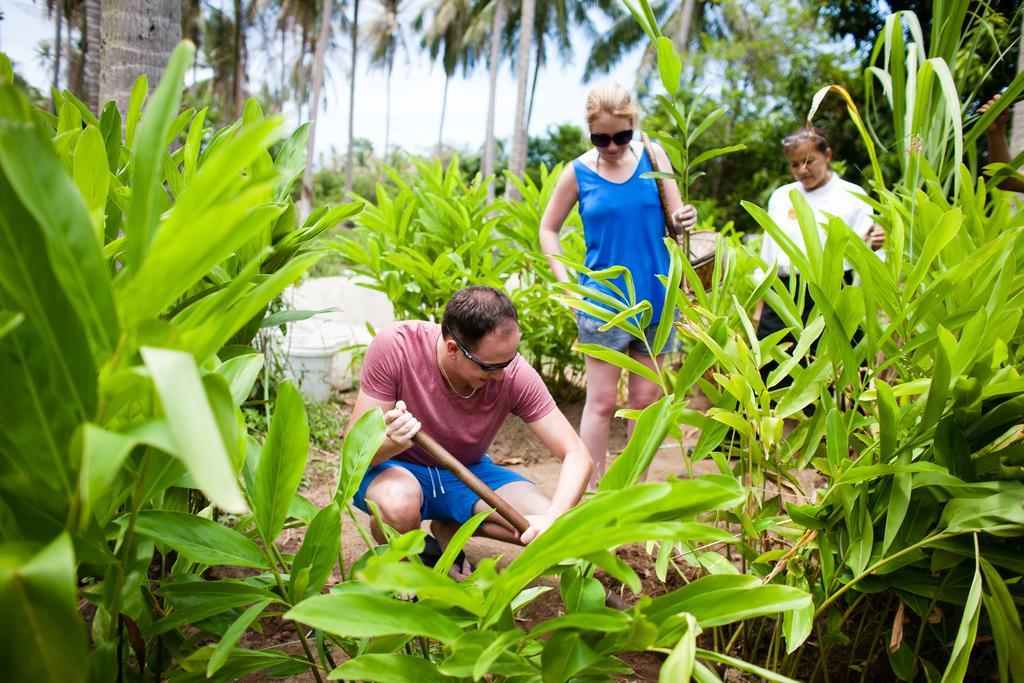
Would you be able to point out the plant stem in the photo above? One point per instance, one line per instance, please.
(886, 560)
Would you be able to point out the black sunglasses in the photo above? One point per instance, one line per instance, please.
(486, 367)
(623, 137)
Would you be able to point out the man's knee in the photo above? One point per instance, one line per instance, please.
(399, 499)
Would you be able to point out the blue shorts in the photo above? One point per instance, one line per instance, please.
(619, 340)
(445, 498)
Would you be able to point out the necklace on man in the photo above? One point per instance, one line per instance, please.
(440, 364)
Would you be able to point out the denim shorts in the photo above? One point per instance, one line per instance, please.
(619, 340)
(445, 497)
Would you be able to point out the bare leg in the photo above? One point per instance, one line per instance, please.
(602, 389)
(397, 493)
(642, 392)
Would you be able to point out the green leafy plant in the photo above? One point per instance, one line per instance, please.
(438, 234)
(132, 279)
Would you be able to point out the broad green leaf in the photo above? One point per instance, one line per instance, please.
(603, 620)
(46, 361)
(92, 176)
(389, 668)
(233, 635)
(319, 551)
(200, 446)
(241, 372)
(9, 322)
(199, 539)
(290, 162)
(678, 668)
(45, 640)
(424, 582)
(282, 462)
(743, 666)
(720, 599)
(648, 436)
(46, 192)
(888, 421)
(613, 518)
(669, 65)
(966, 634)
(619, 359)
(796, 626)
(368, 616)
(458, 542)
(361, 444)
(565, 655)
(148, 200)
(102, 455)
(805, 388)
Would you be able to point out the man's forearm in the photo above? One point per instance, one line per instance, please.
(572, 480)
(387, 450)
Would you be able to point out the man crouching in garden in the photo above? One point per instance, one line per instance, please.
(459, 381)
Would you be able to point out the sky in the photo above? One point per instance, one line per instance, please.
(417, 87)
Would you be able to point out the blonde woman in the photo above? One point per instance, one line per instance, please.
(623, 224)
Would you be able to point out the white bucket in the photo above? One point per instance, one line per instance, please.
(308, 361)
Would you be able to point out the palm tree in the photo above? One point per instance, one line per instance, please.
(444, 24)
(56, 9)
(350, 159)
(517, 158)
(319, 58)
(490, 145)
(91, 53)
(386, 39)
(681, 20)
(137, 37)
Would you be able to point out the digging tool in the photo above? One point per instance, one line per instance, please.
(452, 464)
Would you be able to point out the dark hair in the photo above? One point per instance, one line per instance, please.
(807, 134)
(476, 311)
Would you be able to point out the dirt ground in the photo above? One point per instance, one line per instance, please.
(515, 447)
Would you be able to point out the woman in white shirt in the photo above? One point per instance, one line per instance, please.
(808, 153)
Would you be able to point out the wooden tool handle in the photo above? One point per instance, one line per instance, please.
(452, 464)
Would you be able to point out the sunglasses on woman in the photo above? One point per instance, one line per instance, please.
(486, 367)
(623, 137)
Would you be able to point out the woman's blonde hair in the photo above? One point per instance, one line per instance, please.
(613, 99)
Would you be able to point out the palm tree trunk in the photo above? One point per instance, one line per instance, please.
(387, 110)
(58, 26)
(517, 159)
(682, 36)
(239, 47)
(300, 76)
(533, 88)
(136, 37)
(350, 159)
(319, 57)
(489, 143)
(91, 53)
(1017, 126)
(444, 109)
(284, 64)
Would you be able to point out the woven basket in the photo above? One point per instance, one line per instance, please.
(700, 249)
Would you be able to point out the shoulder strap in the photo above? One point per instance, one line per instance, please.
(670, 225)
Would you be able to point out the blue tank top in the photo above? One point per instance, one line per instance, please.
(623, 225)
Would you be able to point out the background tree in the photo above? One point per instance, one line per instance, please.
(319, 57)
(517, 157)
(354, 54)
(443, 25)
(386, 38)
(137, 37)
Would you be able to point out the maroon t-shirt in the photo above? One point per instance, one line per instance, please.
(401, 365)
